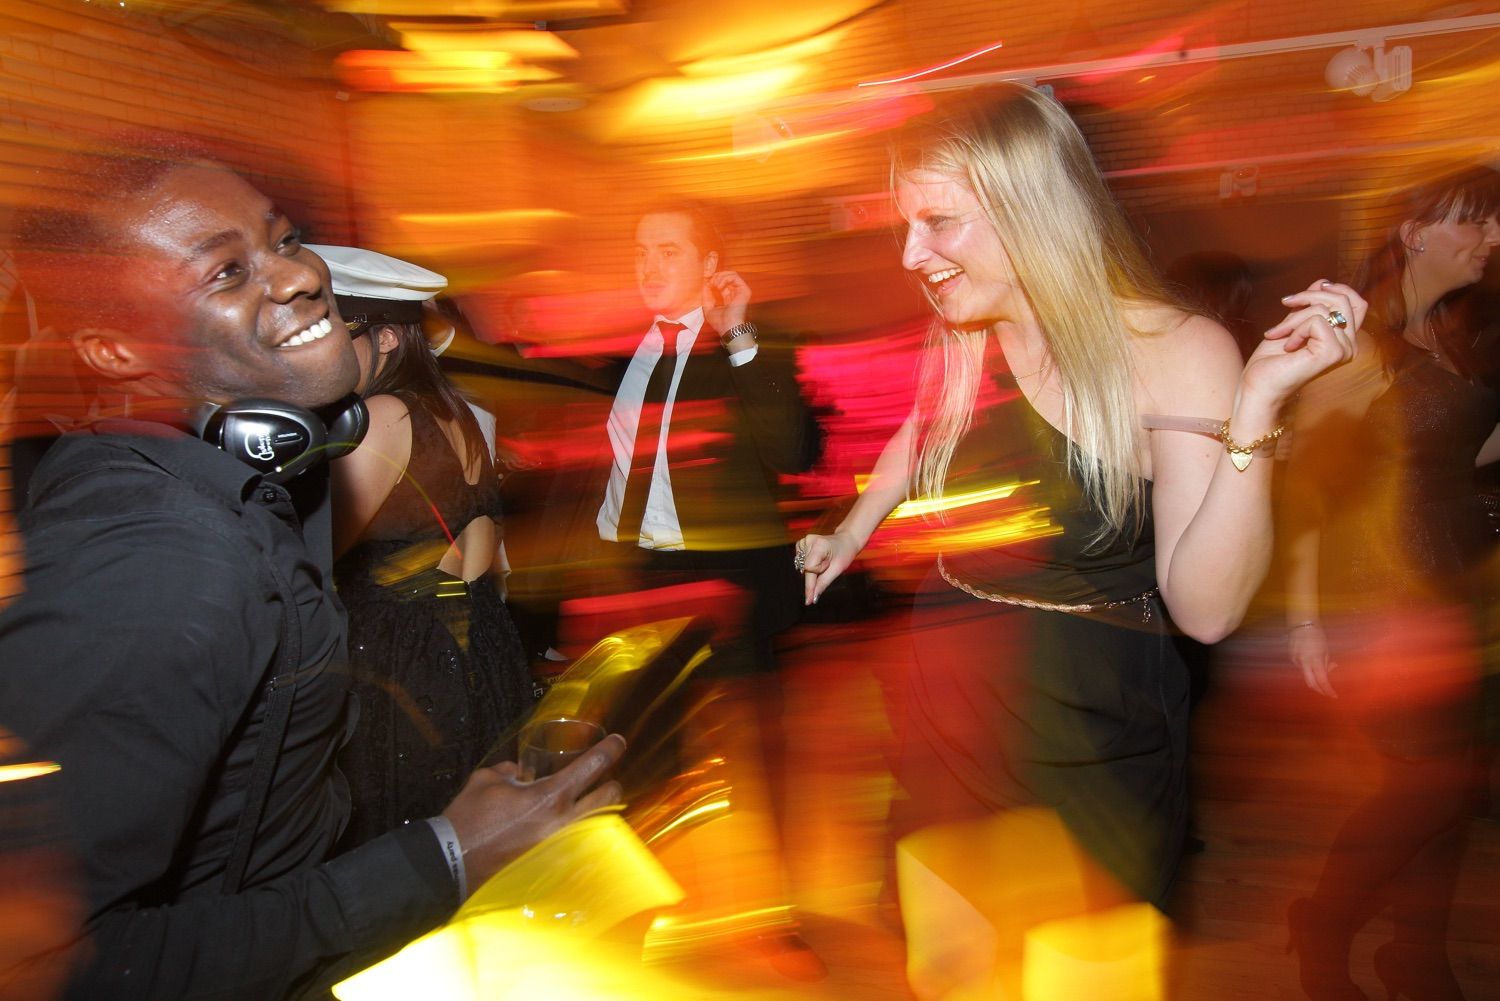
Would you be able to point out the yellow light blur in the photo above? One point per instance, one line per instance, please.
(765, 59)
(606, 669)
(1000, 907)
(680, 101)
(525, 45)
(1119, 953)
(1034, 523)
(533, 929)
(760, 149)
(673, 933)
(950, 502)
(689, 817)
(28, 770)
(1472, 77)
(466, 70)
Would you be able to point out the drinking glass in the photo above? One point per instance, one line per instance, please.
(549, 745)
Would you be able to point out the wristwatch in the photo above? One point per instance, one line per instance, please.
(738, 330)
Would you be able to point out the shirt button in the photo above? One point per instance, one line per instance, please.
(268, 496)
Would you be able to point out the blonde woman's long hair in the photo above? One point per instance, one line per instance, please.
(1076, 260)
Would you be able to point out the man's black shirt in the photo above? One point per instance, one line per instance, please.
(137, 659)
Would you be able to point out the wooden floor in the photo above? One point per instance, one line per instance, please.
(1275, 773)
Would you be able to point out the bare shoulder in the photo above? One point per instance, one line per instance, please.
(364, 478)
(1185, 364)
(388, 417)
(389, 434)
(386, 408)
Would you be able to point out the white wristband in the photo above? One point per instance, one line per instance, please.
(453, 852)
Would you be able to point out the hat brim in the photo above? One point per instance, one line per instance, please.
(361, 309)
(438, 340)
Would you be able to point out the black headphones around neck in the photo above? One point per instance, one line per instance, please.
(282, 440)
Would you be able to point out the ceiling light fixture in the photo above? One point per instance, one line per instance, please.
(1371, 71)
(534, 45)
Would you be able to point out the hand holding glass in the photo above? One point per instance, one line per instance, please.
(550, 745)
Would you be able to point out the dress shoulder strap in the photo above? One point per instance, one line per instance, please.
(1210, 426)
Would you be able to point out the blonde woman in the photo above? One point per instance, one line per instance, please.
(1053, 679)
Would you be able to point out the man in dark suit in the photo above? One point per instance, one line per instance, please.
(703, 420)
(684, 513)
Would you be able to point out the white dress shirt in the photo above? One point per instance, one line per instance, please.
(660, 528)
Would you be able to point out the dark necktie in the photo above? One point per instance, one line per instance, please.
(648, 437)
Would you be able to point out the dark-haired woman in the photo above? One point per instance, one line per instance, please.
(438, 666)
(1389, 545)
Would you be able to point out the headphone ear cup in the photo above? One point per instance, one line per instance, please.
(347, 421)
(278, 440)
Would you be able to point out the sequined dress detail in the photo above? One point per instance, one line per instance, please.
(438, 668)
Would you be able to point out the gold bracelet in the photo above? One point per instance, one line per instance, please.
(1241, 455)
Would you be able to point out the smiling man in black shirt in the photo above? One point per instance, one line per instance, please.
(179, 643)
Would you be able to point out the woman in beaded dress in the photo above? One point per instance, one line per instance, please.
(1389, 582)
(1048, 675)
(439, 670)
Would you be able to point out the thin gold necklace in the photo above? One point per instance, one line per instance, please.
(1436, 353)
(1432, 348)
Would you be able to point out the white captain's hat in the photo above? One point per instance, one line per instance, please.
(373, 288)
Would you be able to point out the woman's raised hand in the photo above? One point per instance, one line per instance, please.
(821, 558)
(1315, 336)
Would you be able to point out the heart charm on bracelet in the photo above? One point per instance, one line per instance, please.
(1241, 455)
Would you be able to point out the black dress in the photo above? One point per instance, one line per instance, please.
(1404, 556)
(1404, 519)
(1084, 712)
(437, 665)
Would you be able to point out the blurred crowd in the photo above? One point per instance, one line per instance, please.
(325, 605)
